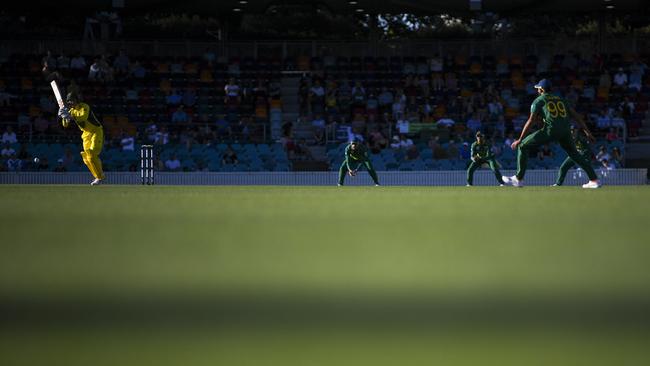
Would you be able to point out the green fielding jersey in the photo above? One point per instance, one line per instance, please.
(482, 150)
(582, 144)
(554, 110)
(360, 154)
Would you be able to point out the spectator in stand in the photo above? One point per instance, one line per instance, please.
(372, 105)
(452, 150)
(518, 122)
(189, 97)
(14, 164)
(545, 152)
(139, 72)
(509, 140)
(607, 165)
(95, 73)
(60, 168)
(174, 98)
(223, 127)
(232, 90)
(377, 141)
(301, 151)
(9, 136)
(5, 98)
(180, 116)
(385, 100)
(627, 107)
(229, 157)
(465, 151)
(405, 142)
(67, 159)
(435, 64)
(318, 123)
(317, 97)
(412, 153)
(474, 123)
(49, 60)
(78, 63)
(395, 144)
(446, 122)
(162, 136)
(43, 164)
(41, 124)
(358, 95)
(399, 105)
(402, 125)
(131, 94)
(620, 79)
(127, 142)
(605, 80)
(603, 121)
(173, 164)
(7, 150)
(612, 135)
(209, 56)
(617, 157)
(121, 63)
(637, 71)
(63, 62)
(603, 154)
(499, 127)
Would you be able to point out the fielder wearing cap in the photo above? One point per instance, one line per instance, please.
(481, 153)
(356, 154)
(554, 112)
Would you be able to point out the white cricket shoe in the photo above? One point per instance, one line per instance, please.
(96, 182)
(468, 185)
(555, 185)
(592, 184)
(513, 181)
(377, 185)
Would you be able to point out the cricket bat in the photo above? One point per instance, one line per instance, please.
(57, 93)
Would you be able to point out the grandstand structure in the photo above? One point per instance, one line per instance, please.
(283, 105)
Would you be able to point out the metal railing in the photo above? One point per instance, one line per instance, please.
(390, 178)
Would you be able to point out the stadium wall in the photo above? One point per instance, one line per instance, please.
(389, 178)
(292, 48)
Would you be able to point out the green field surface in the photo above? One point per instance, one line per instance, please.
(162, 275)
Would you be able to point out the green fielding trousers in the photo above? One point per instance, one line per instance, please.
(567, 165)
(477, 164)
(344, 170)
(542, 137)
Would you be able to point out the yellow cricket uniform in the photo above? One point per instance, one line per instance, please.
(92, 136)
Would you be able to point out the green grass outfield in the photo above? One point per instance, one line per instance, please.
(324, 275)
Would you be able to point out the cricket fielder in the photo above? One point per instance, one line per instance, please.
(92, 133)
(481, 154)
(356, 153)
(554, 111)
(582, 145)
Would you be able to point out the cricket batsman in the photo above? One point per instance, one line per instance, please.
(554, 112)
(481, 154)
(92, 133)
(581, 141)
(356, 154)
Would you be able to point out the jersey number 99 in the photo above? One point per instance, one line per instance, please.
(556, 109)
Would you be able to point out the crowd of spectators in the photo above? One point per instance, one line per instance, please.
(391, 103)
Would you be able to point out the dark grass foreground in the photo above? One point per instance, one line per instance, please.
(324, 276)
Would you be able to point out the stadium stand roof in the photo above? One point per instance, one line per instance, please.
(348, 6)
